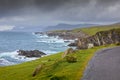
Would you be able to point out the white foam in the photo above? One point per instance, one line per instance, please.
(48, 39)
(41, 35)
(12, 54)
(51, 41)
(10, 58)
(49, 52)
(5, 62)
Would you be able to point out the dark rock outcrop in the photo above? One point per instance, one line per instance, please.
(68, 34)
(68, 51)
(100, 38)
(72, 44)
(34, 53)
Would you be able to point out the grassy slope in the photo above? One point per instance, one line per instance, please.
(54, 66)
(93, 30)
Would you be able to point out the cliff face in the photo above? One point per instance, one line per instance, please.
(100, 38)
(68, 34)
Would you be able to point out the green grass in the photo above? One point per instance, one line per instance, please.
(94, 30)
(54, 66)
(58, 31)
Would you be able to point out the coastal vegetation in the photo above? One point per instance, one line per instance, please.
(94, 30)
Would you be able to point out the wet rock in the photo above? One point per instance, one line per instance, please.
(31, 53)
(72, 44)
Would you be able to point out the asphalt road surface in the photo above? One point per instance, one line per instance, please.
(105, 65)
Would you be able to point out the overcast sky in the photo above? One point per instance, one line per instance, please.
(16, 13)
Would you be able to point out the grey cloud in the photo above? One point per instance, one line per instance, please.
(48, 5)
(47, 12)
(107, 2)
(45, 5)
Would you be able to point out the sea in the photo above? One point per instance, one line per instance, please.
(11, 42)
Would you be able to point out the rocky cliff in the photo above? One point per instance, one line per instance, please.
(67, 34)
(100, 38)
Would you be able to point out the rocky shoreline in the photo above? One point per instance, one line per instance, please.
(66, 34)
(31, 53)
(84, 41)
(100, 38)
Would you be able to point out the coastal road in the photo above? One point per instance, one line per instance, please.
(105, 65)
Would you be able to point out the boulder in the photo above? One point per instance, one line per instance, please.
(31, 53)
(90, 45)
(37, 70)
(72, 44)
(82, 47)
(68, 51)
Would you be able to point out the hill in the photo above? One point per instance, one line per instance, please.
(95, 29)
(91, 30)
(63, 26)
(100, 38)
(81, 32)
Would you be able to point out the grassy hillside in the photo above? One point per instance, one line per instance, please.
(92, 30)
(55, 68)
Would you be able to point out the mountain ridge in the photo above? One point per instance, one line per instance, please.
(61, 26)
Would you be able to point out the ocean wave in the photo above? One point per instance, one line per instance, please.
(50, 39)
(4, 62)
(40, 35)
(42, 42)
(48, 52)
(10, 58)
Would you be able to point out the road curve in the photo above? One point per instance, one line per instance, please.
(105, 65)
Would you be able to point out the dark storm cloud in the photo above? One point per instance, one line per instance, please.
(37, 7)
(107, 2)
(7, 5)
(47, 12)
